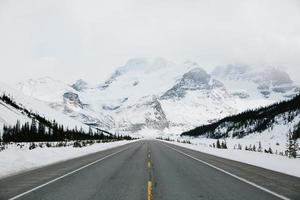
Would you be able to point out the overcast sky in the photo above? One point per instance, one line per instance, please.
(71, 39)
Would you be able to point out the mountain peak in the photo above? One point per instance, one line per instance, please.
(197, 75)
(137, 67)
(269, 74)
(79, 85)
(277, 76)
(145, 64)
(189, 64)
(231, 70)
(44, 88)
(264, 80)
(195, 79)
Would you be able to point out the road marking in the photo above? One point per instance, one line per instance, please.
(230, 174)
(63, 176)
(149, 196)
(149, 187)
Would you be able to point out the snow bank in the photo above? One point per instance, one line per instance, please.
(268, 161)
(14, 160)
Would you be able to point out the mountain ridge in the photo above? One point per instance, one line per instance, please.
(186, 95)
(254, 121)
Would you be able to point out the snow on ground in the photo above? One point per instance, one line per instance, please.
(15, 160)
(274, 137)
(273, 162)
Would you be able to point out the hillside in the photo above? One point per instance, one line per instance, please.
(280, 117)
(15, 106)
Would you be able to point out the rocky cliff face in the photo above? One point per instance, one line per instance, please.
(155, 118)
(195, 79)
(72, 99)
(146, 113)
(80, 85)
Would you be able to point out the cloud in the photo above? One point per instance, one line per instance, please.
(69, 39)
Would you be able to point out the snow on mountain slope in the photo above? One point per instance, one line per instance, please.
(45, 89)
(80, 85)
(247, 82)
(197, 98)
(146, 113)
(184, 95)
(10, 115)
(66, 100)
(267, 127)
(142, 77)
(272, 119)
(154, 93)
(141, 94)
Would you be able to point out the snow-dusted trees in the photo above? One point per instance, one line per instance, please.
(296, 133)
(259, 149)
(224, 145)
(41, 129)
(292, 145)
(39, 132)
(220, 145)
(251, 121)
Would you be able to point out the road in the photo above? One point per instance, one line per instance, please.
(150, 169)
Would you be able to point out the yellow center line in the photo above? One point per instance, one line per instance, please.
(149, 197)
(149, 188)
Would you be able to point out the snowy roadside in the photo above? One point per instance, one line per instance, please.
(273, 162)
(15, 160)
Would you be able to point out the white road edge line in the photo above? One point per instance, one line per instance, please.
(63, 176)
(230, 174)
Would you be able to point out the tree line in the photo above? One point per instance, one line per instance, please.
(251, 121)
(38, 132)
(41, 130)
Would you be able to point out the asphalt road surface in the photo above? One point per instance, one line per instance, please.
(150, 170)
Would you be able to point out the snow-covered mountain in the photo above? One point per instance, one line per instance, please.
(272, 122)
(66, 99)
(154, 93)
(9, 114)
(245, 81)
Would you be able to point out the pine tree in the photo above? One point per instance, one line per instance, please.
(270, 150)
(292, 145)
(259, 149)
(90, 131)
(41, 132)
(18, 127)
(239, 147)
(218, 144)
(224, 145)
(33, 131)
